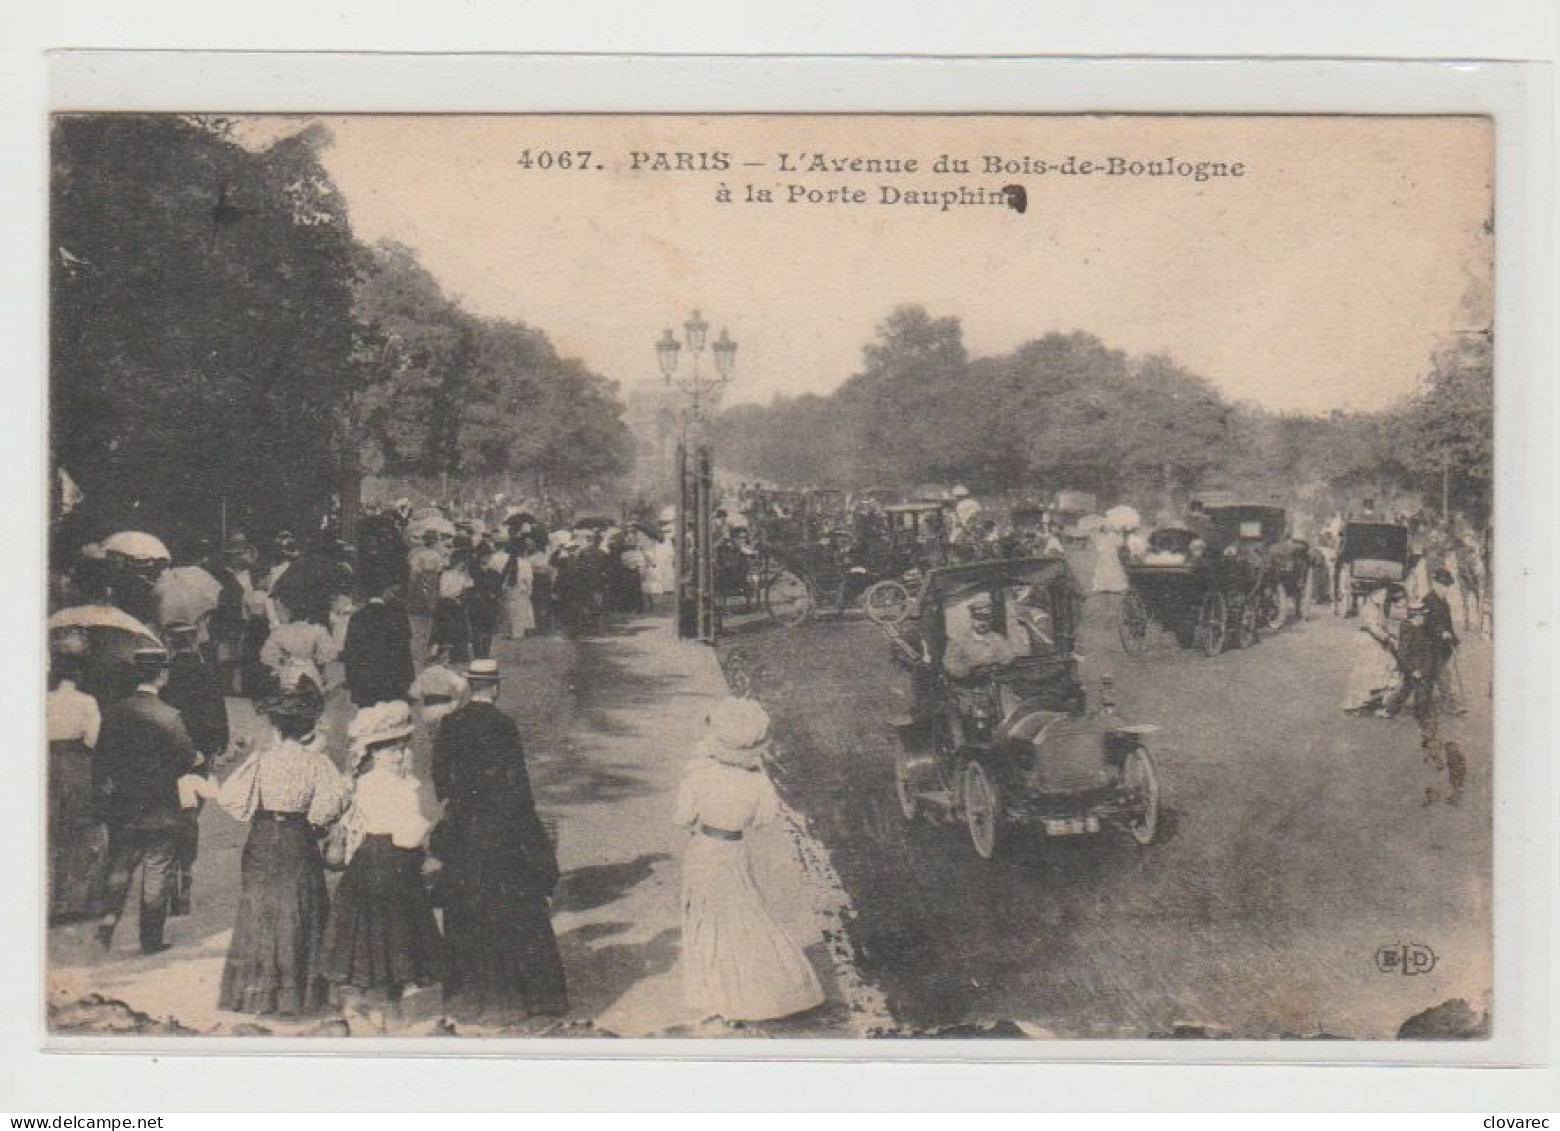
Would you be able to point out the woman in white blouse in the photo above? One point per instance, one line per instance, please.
(738, 962)
(382, 936)
(289, 790)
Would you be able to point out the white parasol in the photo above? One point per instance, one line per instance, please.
(135, 544)
(100, 616)
(186, 594)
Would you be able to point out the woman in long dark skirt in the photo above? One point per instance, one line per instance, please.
(382, 935)
(500, 867)
(289, 791)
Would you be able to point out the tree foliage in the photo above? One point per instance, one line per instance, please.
(221, 343)
(1068, 410)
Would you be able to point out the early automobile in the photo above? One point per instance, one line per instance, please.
(1001, 735)
(1371, 556)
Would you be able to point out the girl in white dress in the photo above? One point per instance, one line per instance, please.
(1375, 672)
(738, 962)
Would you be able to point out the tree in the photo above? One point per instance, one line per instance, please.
(177, 257)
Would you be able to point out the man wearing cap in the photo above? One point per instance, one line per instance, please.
(500, 865)
(193, 689)
(144, 750)
(1443, 631)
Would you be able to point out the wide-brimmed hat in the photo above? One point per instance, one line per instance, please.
(378, 725)
(737, 733)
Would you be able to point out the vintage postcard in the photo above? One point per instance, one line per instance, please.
(914, 576)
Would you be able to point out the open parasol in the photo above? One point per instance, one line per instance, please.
(135, 544)
(186, 594)
(100, 617)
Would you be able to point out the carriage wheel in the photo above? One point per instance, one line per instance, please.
(739, 674)
(1133, 629)
(1140, 780)
(1211, 624)
(887, 602)
(788, 599)
(983, 812)
(1246, 623)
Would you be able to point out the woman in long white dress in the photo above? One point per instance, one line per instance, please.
(1375, 672)
(738, 962)
(1109, 576)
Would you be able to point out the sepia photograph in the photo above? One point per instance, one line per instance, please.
(920, 577)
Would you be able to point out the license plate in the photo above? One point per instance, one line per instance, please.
(1071, 826)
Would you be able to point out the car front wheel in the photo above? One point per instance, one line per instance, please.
(983, 813)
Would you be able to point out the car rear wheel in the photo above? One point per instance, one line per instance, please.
(1142, 784)
(983, 813)
(788, 599)
(1134, 624)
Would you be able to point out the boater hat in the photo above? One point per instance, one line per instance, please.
(482, 671)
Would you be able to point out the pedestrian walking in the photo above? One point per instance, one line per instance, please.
(1441, 628)
(296, 642)
(194, 689)
(450, 628)
(77, 840)
(484, 603)
(738, 962)
(1374, 674)
(499, 865)
(519, 578)
(145, 750)
(378, 652)
(288, 790)
(382, 936)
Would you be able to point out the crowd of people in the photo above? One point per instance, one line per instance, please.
(439, 882)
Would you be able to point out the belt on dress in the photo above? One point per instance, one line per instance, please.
(278, 816)
(720, 834)
(436, 700)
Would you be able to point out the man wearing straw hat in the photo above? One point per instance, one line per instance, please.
(500, 867)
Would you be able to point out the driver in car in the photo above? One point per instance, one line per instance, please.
(973, 639)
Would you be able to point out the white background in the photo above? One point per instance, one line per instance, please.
(35, 1082)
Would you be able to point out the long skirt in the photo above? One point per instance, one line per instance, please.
(504, 956)
(78, 842)
(1374, 675)
(451, 629)
(522, 618)
(273, 962)
(382, 933)
(738, 963)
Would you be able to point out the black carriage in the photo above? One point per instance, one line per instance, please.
(1001, 735)
(1205, 598)
(1264, 531)
(1371, 556)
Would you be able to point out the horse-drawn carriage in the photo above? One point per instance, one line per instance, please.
(1001, 735)
(838, 571)
(1264, 530)
(1205, 602)
(1371, 556)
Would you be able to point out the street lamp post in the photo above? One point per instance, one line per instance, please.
(698, 388)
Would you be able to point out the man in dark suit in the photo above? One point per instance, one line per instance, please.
(144, 750)
(378, 652)
(500, 866)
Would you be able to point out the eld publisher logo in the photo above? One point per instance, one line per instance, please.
(1405, 958)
